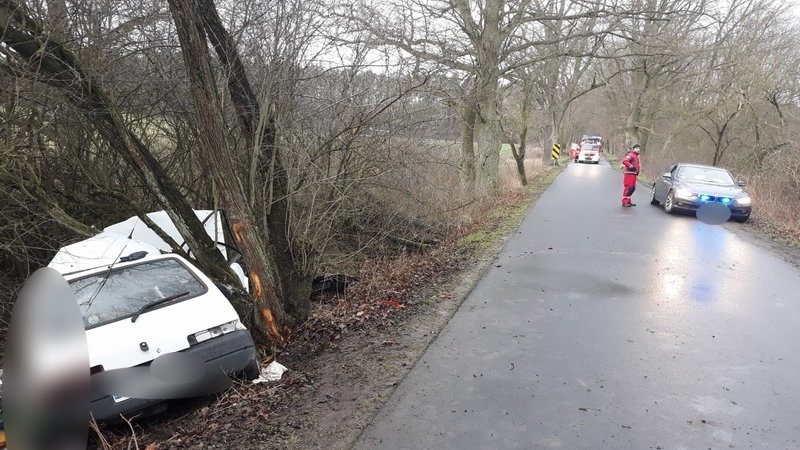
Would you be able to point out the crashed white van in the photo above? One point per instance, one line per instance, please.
(139, 303)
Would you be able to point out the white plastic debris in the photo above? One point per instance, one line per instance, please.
(272, 372)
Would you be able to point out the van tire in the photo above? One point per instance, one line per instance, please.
(252, 370)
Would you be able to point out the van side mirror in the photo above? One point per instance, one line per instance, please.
(741, 183)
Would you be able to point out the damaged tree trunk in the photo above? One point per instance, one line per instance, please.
(261, 270)
(258, 127)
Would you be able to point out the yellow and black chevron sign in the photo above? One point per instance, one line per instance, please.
(556, 153)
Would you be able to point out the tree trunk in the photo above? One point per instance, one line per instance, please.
(634, 133)
(718, 148)
(260, 270)
(293, 282)
(488, 138)
(466, 163)
(519, 157)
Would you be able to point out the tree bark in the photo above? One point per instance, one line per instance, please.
(488, 139)
(634, 133)
(488, 57)
(466, 162)
(519, 156)
(260, 269)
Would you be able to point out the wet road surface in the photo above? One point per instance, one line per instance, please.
(607, 327)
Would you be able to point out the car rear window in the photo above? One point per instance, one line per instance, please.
(110, 296)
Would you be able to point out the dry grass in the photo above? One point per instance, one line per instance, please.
(428, 190)
(508, 178)
(776, 206)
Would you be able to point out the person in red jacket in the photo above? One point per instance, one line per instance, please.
(631, 167)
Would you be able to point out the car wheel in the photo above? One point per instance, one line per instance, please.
(669, 203)
(740, 219)
(653, 200)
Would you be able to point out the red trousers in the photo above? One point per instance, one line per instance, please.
(628, 186)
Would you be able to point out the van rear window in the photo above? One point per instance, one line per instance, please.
(110, 296)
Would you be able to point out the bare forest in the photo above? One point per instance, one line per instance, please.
(337, 133)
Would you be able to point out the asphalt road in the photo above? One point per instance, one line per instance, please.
(607, 327)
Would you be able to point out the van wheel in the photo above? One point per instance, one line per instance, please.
(252, 370)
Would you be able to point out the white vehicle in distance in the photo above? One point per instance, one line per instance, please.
(589, 153)
(138, 303)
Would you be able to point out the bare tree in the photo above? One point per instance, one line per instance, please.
(652, 55)
(471, 38)
(31, 50)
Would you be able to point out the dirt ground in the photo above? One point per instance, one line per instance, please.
(336, 383)
(330, 393)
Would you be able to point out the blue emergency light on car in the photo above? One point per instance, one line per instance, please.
(725, 200)
(705, 198)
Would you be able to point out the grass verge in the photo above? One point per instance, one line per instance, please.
(508, 215)
(777, 232)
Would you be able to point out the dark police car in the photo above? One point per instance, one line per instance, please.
(685, 187)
